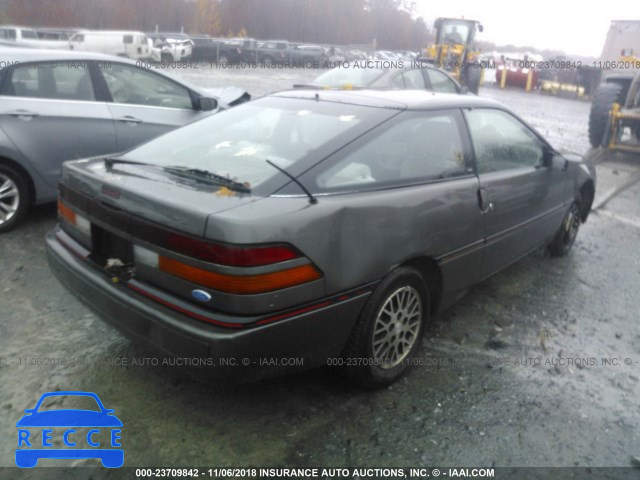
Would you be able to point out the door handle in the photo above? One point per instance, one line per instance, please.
(129, 119)
(22, 113)
(485, 207)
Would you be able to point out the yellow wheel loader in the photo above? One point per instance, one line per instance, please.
(455, 50)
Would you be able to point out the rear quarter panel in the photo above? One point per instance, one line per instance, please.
(358, 238)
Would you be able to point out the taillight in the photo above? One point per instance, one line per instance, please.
(240, 284)
(234, 256)
(73, 218)
(236, 283)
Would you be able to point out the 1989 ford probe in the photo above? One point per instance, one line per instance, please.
(313, 224)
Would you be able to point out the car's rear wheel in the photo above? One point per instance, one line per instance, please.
(14, 197)
(388, 333)
(566, 236)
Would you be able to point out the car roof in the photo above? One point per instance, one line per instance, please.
(11, 55)
(395, 99)
(17, 27)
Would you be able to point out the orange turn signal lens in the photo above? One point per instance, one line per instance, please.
(66, 213)
(240, 284)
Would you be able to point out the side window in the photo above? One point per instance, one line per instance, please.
(413, 79)
(440, 82)
(127, 39)
(418, 147)
(29, 34)
(398, 81)
(501, 141)
(55, 80)
(137, 86)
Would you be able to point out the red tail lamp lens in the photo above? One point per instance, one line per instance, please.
(230, 255)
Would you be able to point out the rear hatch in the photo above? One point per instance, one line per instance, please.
(145, 228)
(177, 201)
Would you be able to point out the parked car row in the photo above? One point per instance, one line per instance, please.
(175, 47)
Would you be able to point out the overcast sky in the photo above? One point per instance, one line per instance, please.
(577, 27)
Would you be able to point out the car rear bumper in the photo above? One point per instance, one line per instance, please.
(297, 342)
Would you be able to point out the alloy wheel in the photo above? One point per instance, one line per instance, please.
(9, 198)
(396, 327)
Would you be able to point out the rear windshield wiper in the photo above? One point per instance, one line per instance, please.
(218, 179)
(243, 187)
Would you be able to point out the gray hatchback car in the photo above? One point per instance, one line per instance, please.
(62, 105)
(324, 227)
(403, 75)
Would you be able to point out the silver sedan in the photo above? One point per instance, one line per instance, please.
(61, 105)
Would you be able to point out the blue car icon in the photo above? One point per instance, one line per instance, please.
(29, 450)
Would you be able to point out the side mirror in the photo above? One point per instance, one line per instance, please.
(558, 162)
(480, 28)
(207, 104)
(464, 90)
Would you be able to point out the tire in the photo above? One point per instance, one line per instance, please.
(14, 197)
(166, 58)
(606, 95)
(568, 231)
(398, 308)
(472, 79)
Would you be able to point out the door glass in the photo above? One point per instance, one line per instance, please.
(440, 82)
(502, 142)
(29, 34)
(136, 86)
(398, 81)
(420, 147)
(55, 80)
(413, 79)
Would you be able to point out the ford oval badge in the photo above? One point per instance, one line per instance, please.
(201, 295)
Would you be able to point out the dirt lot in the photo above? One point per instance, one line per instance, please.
(538, 366)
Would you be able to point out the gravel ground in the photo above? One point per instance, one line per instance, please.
(537, 366)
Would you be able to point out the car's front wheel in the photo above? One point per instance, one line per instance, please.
(14, 197)
(387, 335)
(566, 235)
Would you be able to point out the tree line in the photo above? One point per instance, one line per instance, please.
(388, 23)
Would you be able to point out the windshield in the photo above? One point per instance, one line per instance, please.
(237, 143)
(356, 76)
(455, 32)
